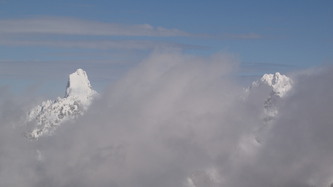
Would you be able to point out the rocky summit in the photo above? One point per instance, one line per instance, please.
(47, 116)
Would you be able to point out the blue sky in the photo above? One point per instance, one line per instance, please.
(41, 42)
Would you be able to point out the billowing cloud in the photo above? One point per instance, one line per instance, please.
(179, 120)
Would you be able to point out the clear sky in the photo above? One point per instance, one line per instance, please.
(42, 41)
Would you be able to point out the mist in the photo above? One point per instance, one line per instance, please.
(179, 120)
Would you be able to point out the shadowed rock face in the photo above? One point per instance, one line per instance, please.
(47, 116)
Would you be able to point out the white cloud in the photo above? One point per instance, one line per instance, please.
(176, 116)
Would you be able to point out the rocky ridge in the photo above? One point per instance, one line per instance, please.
(47, 116)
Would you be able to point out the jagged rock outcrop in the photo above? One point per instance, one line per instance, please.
(47, 116)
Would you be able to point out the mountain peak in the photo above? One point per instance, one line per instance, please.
(279, 83)
(47, 116)
(273, 79)
(78, 84)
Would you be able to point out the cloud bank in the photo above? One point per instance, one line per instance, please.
(179, 120)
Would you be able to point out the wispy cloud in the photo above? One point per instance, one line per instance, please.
(77, 33)
(259, 68)
(65, 32)
(100, 44)
(243, 36)
(232, 36)
(71, 26)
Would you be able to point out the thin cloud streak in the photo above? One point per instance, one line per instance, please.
(231, 36)
(71, 26)
(69, 33)
(100, 44)
(243, 36)
(59, 32)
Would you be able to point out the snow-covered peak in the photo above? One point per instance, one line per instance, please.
(47, 116)
(78, 84)
(280, 84)
(270, 89)
(79, 87)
